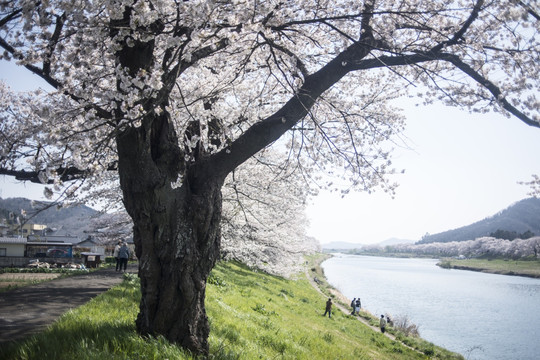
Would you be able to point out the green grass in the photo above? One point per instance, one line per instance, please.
(252, 315)
(529, 268)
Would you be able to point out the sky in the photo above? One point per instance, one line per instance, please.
(459, 168)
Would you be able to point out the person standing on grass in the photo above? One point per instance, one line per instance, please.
(115, 254)
(382, 324)
(328, 308)
(123, 255)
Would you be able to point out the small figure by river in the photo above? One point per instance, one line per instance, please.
(356, 304)
(382, 324)
(328, 308)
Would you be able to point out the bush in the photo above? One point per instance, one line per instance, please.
(402, 324)
(445, 264)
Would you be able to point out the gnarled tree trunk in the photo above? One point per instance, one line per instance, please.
(176, 234)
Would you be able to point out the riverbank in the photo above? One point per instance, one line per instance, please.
(252, 315)
(527, 268)
(403, 334)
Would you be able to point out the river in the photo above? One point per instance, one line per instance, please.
(481, 316)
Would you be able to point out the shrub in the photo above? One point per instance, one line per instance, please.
(402, 324)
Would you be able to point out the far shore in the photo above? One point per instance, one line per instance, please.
(528, 268)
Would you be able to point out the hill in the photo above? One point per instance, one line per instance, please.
(340, 245)
(74, 220)
(520, 217)
(395, 241)
(335, 246)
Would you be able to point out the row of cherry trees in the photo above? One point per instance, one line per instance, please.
(264, 222)
(516, 249)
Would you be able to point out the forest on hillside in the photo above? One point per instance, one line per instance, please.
(520, 218)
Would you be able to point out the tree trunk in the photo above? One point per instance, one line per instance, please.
(176, 235)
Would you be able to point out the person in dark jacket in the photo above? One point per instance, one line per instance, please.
(382, 324)
(123, 256)
(353, 305)
(358, 306)
(328, 308)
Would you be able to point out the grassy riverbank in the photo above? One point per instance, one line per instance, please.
(529, 268)
(253, 315)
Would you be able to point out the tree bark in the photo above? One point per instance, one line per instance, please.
(176, 234)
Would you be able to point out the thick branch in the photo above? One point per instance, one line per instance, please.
(270, 129)
(52, 43)
(461, 32)
(66, 174)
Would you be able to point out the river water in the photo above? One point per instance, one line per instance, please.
(481, 316)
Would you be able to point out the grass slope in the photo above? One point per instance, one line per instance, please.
(253, 315)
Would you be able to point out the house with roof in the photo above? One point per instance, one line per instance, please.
(90, 245)
(19, 251)
(12, 251)
(10, 246)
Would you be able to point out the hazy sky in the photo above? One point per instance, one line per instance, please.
(459, 168)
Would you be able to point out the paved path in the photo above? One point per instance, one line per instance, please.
(30, 309)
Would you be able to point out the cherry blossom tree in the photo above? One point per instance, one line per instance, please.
(264, 223)
(534, 185)
(175, 95)
(263, 220)
(510, 249)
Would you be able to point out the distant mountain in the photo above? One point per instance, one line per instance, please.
(395, 241)
(343, 245)
(520, 217)
(340, 245)
(73, 220)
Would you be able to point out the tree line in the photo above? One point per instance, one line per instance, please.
(482, 247)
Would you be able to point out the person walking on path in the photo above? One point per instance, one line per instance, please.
(115, 254)
(123, 256)
(353, 306)
(357, 306)
(382, 324)
(328, 308)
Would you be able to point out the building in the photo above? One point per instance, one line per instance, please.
(10, 228)
(19, 251)
(90, 245)
(54, 238)
(12, 246)
(4, 228)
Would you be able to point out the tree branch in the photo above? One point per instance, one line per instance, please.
(491, 87)
(66, 174)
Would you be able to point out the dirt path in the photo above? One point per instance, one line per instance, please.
(30, 309)
(346, 311)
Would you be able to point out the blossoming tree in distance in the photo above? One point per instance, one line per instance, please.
(175, 95)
